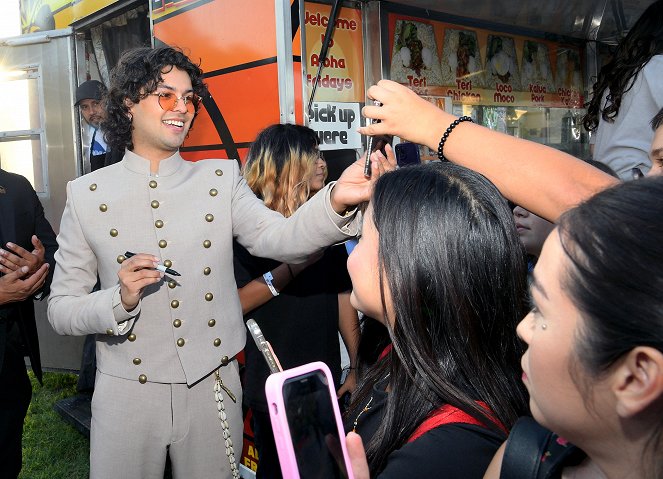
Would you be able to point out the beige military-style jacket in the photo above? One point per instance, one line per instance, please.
(184, 327)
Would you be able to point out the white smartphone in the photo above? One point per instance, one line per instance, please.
(264, 347)
(307, 425)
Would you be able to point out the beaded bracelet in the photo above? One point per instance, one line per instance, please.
(443, 140)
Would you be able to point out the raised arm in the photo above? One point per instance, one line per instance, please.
(539, 178)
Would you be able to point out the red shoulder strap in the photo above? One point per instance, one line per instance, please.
(448, 414)
(385, 351)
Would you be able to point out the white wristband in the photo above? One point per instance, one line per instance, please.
(268, 280)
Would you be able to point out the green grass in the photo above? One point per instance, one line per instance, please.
(52, 449)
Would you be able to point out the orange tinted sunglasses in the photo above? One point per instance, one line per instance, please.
(168, 101)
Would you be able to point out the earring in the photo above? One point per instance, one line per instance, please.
(544, 326)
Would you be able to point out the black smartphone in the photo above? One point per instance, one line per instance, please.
(407, 154)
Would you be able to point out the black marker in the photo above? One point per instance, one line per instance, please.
(158, 267)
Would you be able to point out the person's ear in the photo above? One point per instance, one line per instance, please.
(129, 104)
(638, 381)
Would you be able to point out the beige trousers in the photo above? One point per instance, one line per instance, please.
(135, 425)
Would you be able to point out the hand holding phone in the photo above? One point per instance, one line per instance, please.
(307, 425)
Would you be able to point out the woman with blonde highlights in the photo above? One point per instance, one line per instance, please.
(300, 307)
(285, 167)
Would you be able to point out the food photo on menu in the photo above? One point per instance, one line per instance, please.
(568, 70)
(501, 63)
(461, 58)
(415, 53)
(535, 66)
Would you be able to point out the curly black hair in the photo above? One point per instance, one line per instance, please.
(643, 41)
(137, 74)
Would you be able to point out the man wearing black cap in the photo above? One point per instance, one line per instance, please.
(88, 100)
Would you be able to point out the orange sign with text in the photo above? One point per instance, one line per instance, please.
(342, 78)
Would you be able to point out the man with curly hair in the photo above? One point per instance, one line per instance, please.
(159, 230)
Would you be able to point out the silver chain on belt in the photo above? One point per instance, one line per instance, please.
(221, 408)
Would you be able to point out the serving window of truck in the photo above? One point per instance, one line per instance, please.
(525, 83)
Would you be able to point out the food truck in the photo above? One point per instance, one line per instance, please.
(523, 68)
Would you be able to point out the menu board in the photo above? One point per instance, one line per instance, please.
(477, 66)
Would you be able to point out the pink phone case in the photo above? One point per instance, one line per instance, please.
(277, 413)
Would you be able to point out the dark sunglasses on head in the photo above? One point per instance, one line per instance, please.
(168, 101)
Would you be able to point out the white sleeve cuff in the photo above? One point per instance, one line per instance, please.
(123, 318)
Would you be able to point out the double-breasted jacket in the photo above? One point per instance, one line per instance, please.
(187, 215)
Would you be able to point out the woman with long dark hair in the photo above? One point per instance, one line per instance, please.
(627, 94)
(300, 308)
(440, 264)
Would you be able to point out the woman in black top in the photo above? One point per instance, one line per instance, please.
(299, 308)
(440, 264)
